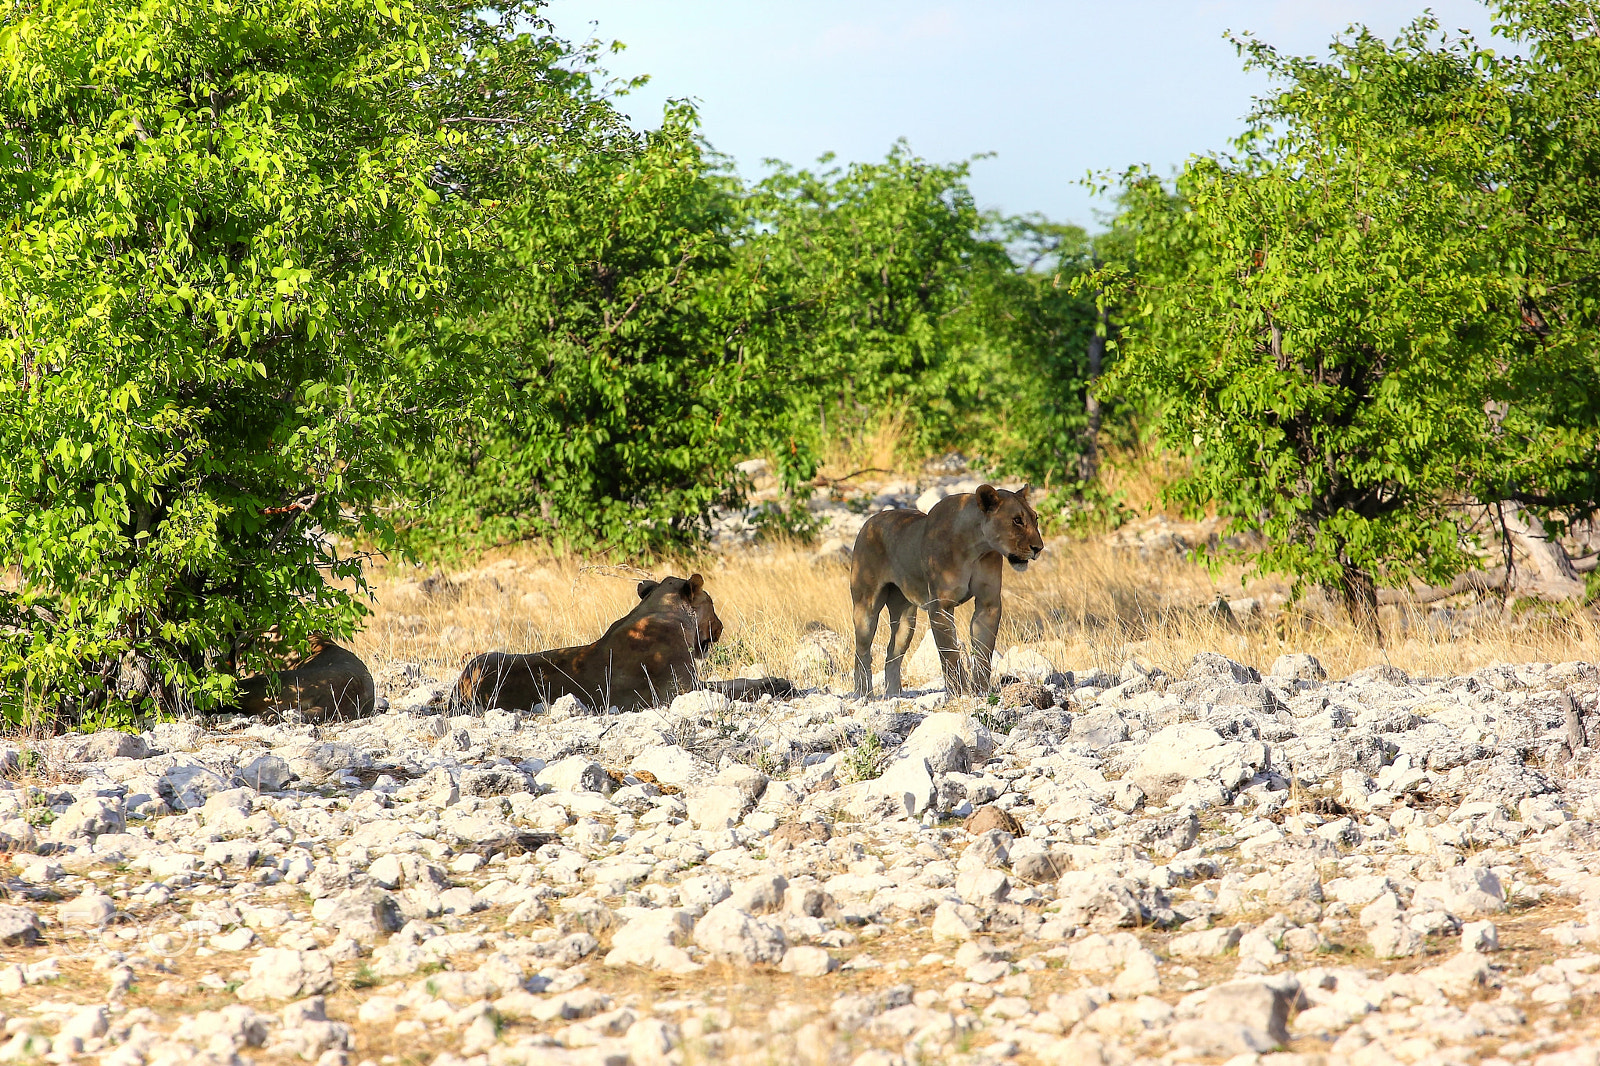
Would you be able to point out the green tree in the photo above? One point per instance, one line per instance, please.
(884, 263)
(1328, 318)
(1549, 179)
(244, 240)
(641, 363)
(1044, 415)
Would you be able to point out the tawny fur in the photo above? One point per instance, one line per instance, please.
(905, 559)
(646, 657)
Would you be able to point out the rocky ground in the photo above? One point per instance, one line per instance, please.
(1089, 869)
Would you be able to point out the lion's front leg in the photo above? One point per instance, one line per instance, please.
(942, 618)
(985, 627)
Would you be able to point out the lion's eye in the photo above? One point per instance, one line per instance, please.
(1018, 520)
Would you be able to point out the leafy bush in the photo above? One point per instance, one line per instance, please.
(239, 233)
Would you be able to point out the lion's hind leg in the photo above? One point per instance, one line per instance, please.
(902, 630)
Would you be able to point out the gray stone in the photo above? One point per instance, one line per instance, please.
(1210, 666)
(704, 892)
(973, 733)
(1205, 943)
(266, 773)
(1167, 835)
(106, 744)
(943, 753)
(1480, 936)
(363, 913)
(1463, 891)
(18, 926)
(1393, 939)
(750, 782)
(321, 763)
(493, 781)
(1098, 729)
(1262, 1006)
(93, 908)
(88, 818)
(983, 887)
(1127, 797)
(1299, 667)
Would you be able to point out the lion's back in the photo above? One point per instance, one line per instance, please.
(888, 550)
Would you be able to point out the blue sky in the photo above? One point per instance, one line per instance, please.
(1054, 89)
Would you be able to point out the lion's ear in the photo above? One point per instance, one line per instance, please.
(1022, 493)
(988, 498)
(647, 587)
(696, 583)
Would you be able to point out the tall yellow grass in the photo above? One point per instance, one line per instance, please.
(1084, 604)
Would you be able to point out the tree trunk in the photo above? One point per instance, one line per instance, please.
(1472, 581)
(1089, 460)
(1549, 573)
(1360, 597)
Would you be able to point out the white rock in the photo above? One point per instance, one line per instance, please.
(701, 703)
(945, 753)
(1463, 891)
(982, 888)
(1480, 936)
(654, 939)
(566, 706)
(729, 933)
(1025, 664)
(89, 818)
(702, 893)
(1394, 940)
(93, 909)
(955, 922)
(1189, 752)
(715, 806)
(285, 973)
(106, 744)
(1205, 943)
(759, 895)
(670, 765)
(972, 732)
(650, 1042)
(808, 961)
(907, 783)
(87, 1023)
(266, 773)
(575, 773)
(750, 782)
(18, 926)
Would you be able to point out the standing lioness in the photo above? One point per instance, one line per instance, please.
(905, 559)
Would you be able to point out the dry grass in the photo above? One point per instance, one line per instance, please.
(878, 441)
(1083, 605)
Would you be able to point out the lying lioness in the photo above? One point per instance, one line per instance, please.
(905, 559)
(645, 658)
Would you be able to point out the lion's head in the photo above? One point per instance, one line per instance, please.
(688, 599)
(1010, 525)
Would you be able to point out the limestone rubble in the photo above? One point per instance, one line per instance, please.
(1094, 869)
